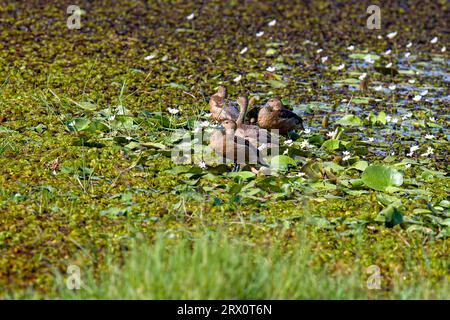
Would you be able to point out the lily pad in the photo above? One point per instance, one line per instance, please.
(381, 177)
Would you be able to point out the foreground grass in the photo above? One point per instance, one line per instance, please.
(222, 269)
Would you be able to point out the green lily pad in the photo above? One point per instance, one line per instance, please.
(381, 177)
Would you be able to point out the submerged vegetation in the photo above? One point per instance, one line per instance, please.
(88, 119)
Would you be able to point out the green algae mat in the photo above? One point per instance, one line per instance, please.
(93, 101)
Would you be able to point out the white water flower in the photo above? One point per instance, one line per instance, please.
(368, 59)
(351, 48)
(173, 110)
(238, 78)
(331, 134)
(203, 124)
(307, 130)
(428, 153)
(388, 118)
(391, 35)
(362, 76)
(270, 69)
(150, 57)
(392, 87)
(272, 23)
(412, 149)
(285, 152)
(340, 67)
(301, 174)
(323, 59)
(305, 144)
(408, 165)
(243, 50)
(394, 120)
(429, 136)
(288, 142)
(432, 119)
(191, 16)
(346, 155)
(202, 164)
(379, 37)
(424, 92)
(260, 34)
(409, 45)
(388, 52)
(389, 65)
(443, 49)
(407, 54)
(207, 115)
(370, 139)
(378, 88)
(434, 40)
(417, 97)
(412, 81)
(319, 50)
(407, 116)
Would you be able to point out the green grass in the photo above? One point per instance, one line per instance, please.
(221, 268)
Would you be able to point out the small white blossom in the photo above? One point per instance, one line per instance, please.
(392, 87)
(285, 152)
(307, 130)
(391, 35)
(319, 50)
(191, 16)
(443, 49)
(260, 34)
(363, 76)
(150, 57)
(272, 23)
(305, 144)
(340, 67)
(301, 174)
(412, 81)
(288, 142)
(408, 165)
(429, 136)
(370, 139)
(238, 78)
(432, 119)
(407, 54)
(332, 134)
(173, 110)
(378, 88)
(207, 115)
(409, 45)
(203, 124)
(388, 118)
(434, 40)
(202, 164)
(388, 52)
(270, 69)
(424, 93)
(368, 59)
(394, 120)
(351, 48)
(346, 155)
(323, 59)
(243, 50)
(412, 149)
(417, 97)
(428, 153)
(389, 65)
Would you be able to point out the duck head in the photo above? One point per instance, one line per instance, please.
(274, 103)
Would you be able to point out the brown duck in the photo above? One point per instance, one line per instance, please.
(220, 108)
(234, 148)
(274, 116)
(254, 134)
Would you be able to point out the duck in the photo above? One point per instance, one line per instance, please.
(274, 116)
(255, 135)
(220, 108)
(232, 147)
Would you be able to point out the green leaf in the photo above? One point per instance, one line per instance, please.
(282, 162)
(277, 84)
(79, 124)
(331, 144)
(381, 177)
(350, 120)
(245, 175)
(391, 216)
